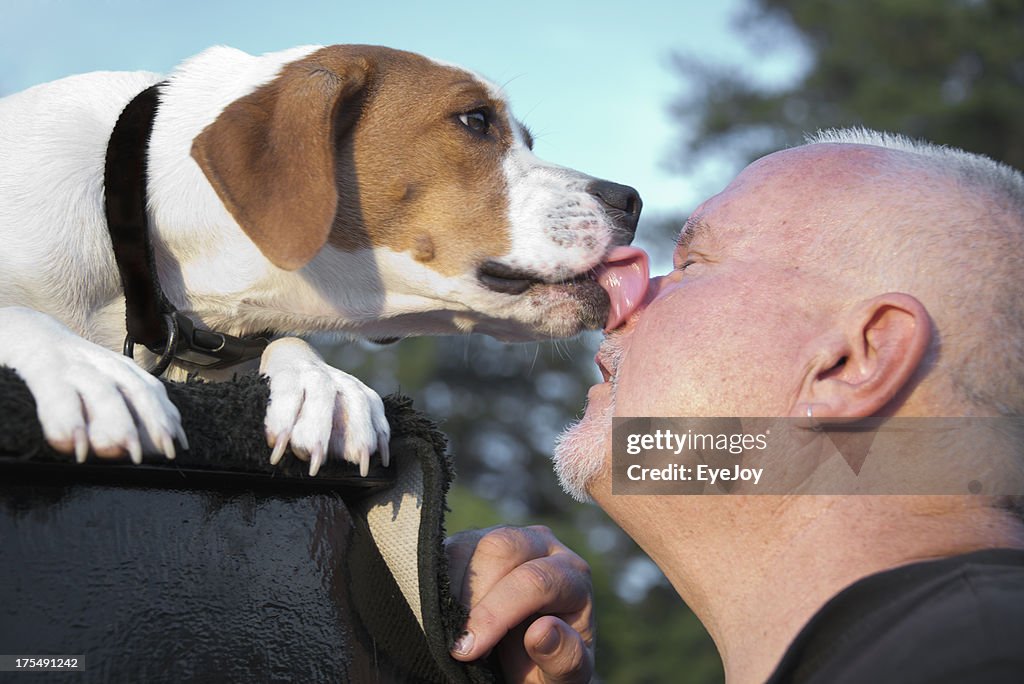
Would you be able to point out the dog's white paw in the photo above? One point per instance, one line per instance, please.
(88, 397)
(320, 411)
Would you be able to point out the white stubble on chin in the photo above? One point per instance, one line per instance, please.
(579, 451)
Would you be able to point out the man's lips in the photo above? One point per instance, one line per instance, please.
(624, 275)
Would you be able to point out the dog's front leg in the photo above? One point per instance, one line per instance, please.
(87, 397)
(319, 410)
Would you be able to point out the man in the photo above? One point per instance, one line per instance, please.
(859, 275)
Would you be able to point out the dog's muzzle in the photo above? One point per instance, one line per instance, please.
(622, 206)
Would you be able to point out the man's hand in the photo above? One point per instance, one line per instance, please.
(530, 596)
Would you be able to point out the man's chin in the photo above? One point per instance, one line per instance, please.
(579, 454)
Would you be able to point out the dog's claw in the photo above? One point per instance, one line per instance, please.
(167, 446)
(316, 459)
(280, 444)
(135, 450)
(81, 440)
(364, 464)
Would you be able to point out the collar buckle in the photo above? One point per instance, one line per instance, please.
(206, 349)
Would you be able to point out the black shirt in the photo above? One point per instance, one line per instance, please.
(958, 619)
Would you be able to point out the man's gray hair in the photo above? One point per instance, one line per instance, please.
(1001, 180)
(971, 247)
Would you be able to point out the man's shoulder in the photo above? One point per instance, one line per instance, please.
(951, 619)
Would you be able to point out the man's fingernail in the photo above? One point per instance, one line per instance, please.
(549, 644)
(464, 644)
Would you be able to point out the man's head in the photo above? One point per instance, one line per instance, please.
(858, 275)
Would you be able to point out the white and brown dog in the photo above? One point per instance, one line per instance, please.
(350, 189)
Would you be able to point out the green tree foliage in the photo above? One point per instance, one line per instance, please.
(948, 71)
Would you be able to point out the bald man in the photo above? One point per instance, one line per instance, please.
(859, 275)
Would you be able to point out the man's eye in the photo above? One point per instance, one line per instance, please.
(477, 121)
(681, 257)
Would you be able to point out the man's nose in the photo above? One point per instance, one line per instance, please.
(624, 200)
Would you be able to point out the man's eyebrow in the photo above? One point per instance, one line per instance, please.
(694, 228)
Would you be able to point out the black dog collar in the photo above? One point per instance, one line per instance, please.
(149, 317)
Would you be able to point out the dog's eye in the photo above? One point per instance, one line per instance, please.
(478, 121)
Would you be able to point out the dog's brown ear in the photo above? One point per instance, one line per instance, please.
(271, 154)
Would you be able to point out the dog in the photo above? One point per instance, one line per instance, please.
(348, 189)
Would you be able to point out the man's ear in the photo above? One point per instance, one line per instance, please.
(864, 362)
(271, 154)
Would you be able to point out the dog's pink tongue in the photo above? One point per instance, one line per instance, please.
(624, 276)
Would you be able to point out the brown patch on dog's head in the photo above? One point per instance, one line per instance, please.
(416, 176)
(364, 147)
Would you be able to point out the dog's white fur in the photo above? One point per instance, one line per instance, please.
(62, 310)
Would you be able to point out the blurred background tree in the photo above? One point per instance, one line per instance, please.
(951, 72)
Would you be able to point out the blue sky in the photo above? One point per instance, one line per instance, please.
(590, 78)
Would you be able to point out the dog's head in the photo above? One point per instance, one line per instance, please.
(416, 174)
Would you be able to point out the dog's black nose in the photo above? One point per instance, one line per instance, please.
(623, 201)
